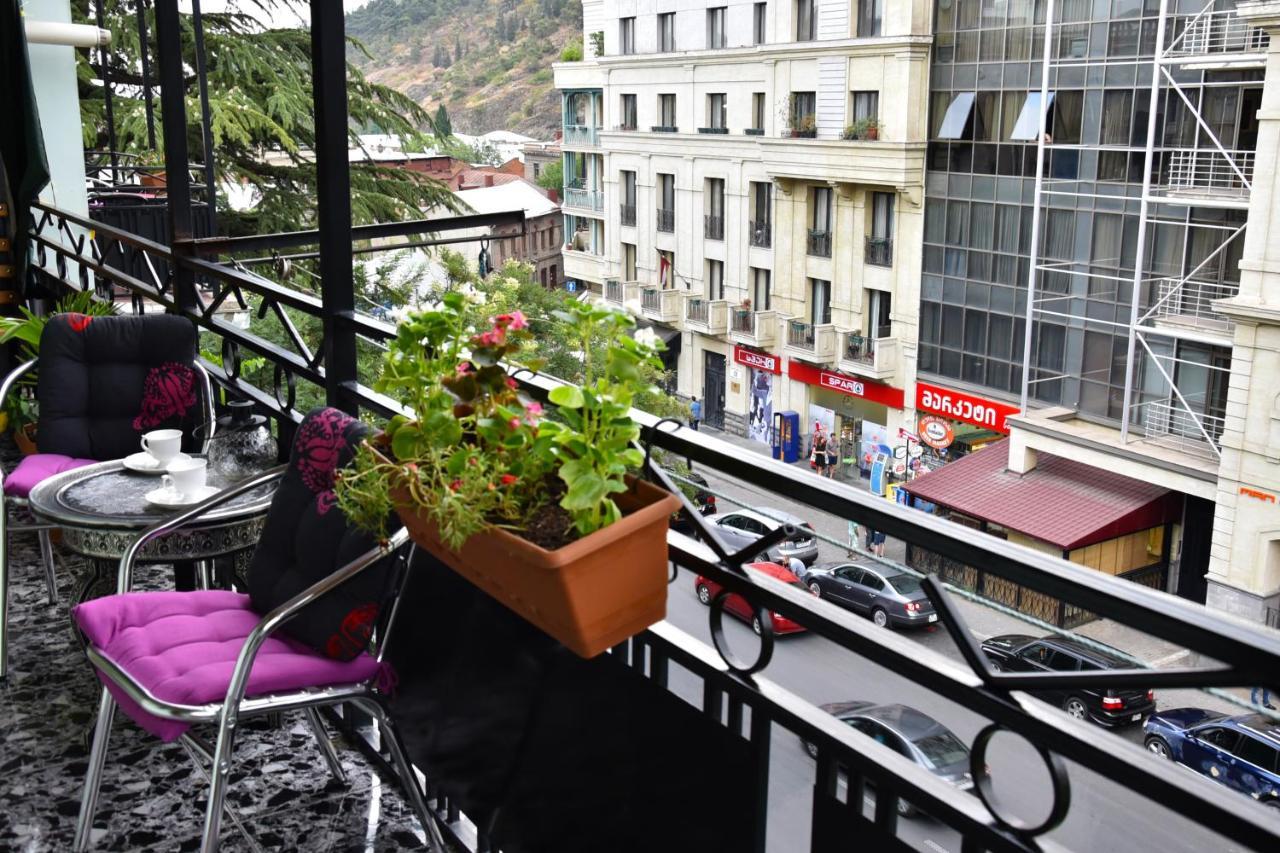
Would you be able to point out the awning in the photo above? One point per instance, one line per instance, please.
(1060, 501)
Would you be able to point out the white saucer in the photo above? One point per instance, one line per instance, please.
(173, 498)
(145, 463)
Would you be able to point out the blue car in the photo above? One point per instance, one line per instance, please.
(1241, 752)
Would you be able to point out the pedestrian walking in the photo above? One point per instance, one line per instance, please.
(853, 537)
(695, 413)
(875, 542)
(1261, 696)
(818, 453)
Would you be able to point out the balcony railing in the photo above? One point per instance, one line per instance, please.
(753, 328)
(743, 320)
(861, 348)
(613, 291)
(1191, 299)
(874, 355)
(697, 310)
(713, 227)
(1216, 33)
(801, 335)
(666, 220)
(627, 214)
(583, 198)
(581, 136)
(1205, 171)
(819, 243)
(760, 233)
(1171, 421)
(879, 251)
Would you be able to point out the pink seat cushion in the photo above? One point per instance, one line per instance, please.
(182, 647)
(37, 468)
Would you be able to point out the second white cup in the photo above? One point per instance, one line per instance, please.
(186, 476)
(162, 444)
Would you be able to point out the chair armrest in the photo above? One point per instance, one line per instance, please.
(291, 608)
(124, 580)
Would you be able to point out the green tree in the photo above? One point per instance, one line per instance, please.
(444, 127)
(552, 177)
(261, 115)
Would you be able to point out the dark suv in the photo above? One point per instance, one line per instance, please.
(1020, 653)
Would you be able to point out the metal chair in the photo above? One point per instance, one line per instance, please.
(10, 500)
(228, 710)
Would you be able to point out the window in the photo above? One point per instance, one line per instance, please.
(1049, 658)
(821, 219)
(553, 276)
(1224, 739)
(864, 105)
(715, 279)
(666, 201)
(871, 580)
(1256, 753)
(537, 170)
(761, 203)
(717, 111)
(880, 325)
(714, 215)
(870, 13)
(667, 110)
(819, 301)
(628, 262)
(626, 35)
(666, 32)
(628, 112)
(759, 17)
(760, 288)
(882, 216)
(802, 109)
(715, 27)
(628, 187)
(757, 110)
(957, 116)
(1028, 124)
(806, 21)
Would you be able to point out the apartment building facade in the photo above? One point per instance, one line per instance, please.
(747, 176)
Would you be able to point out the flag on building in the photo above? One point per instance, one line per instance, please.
(664, 271)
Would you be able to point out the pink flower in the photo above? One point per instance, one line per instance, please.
(511, 383)
(533, 409)
(464, 368)
(455, 485)
(514, 423)
(517, 320)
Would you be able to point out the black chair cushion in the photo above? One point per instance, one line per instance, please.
(307, 537)
(103, 381)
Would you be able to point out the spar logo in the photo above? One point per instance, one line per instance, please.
(844, 384)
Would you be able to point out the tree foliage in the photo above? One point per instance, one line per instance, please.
(261, 114)
(552, 177)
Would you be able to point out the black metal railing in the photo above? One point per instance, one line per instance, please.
(819, 243)
(879, 251)
(801, 334)
(862, 348)
(743, 321)
(697, 311)
(713, 226)
(651, 299)
(666, 220)
(760, 233)
(627, 214)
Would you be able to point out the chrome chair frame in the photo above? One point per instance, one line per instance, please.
(235, 706)
(42, 530)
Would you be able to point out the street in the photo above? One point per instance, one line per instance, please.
(1103, 815)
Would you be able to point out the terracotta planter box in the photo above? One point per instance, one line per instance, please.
(591, 594)
(25, 439)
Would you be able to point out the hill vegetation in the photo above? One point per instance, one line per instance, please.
(487, 61)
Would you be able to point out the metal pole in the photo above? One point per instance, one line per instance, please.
(146, 69)
(109, 112)
(1039, 200)
(206, 130)
(176, 156)
(333, 202)
(1139, 260)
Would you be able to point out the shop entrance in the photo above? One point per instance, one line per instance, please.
(713, 389)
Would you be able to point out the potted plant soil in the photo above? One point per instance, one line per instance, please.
(542, 512)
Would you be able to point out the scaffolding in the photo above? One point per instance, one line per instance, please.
(1178, 346)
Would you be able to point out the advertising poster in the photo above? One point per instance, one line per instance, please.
(821, 415)
(761, 413)
(875, 439)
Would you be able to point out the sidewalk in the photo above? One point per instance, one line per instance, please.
(987, 619)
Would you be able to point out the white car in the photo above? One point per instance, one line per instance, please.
(741, 527)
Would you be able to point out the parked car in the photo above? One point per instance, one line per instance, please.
(1113, 707)
(910, 733)
(1241, 752)
(707, 589)
(741, 527)
(703, 501)
(886, 595)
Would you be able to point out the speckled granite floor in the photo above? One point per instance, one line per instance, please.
(153, 795)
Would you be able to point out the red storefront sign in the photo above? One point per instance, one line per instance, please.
(885, 395)
(759, 360)
(968, 408)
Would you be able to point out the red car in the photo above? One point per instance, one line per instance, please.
(708, 589)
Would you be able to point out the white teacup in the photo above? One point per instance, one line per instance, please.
(162, 444)
(186, 476)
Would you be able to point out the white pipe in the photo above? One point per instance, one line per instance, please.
(70, 35)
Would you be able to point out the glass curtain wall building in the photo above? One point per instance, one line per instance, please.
(980, 189)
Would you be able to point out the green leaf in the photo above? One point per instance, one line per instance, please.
(566, 396)
(406, 442)
(584, 493)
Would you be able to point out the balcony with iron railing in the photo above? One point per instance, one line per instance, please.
(661, 304)
(753, 328)
(1188, 303)
(873, 355)
(708, 316)
(815, 342)
(627, 214)
(760, 233)
(713, 226)
(818, 243)
(666, 220)
(1219, 34)
(1171, 423)
(1207, 176)
(581, 136)
(623, 294)
(878, 251)
(583, 198)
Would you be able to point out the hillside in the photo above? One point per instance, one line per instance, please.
(488, 61)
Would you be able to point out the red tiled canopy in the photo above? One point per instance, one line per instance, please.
(1060, 501)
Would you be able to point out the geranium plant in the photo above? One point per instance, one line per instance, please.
(479, 452)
